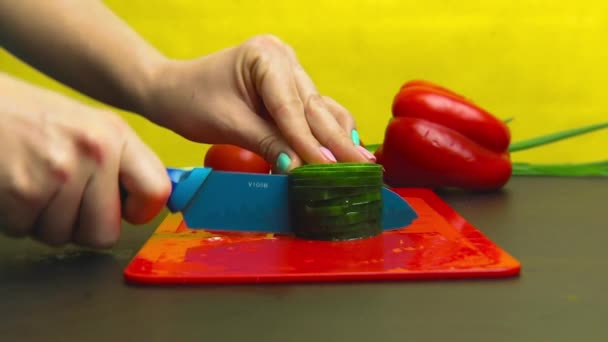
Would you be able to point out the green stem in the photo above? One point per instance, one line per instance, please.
(561, 170)
(372, 148)
(553, 137)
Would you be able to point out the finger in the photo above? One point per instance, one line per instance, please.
(22, 201)
(306, 86)
(99, 220)
(269, 143)
(58, 219)
(341, 144)
(28, 186)
(343, 117)
(145, 180)
(331, 134)
(17, 219)
(263, 138)
(280, 94)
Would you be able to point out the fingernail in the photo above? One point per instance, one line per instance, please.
(354, 135)
(327, 153)
(283, 162)
(367, 154)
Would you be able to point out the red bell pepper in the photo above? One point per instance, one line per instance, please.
(438, 138)
(424, 100)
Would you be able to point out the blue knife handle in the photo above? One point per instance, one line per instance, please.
(184, 185)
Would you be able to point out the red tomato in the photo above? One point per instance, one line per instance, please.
(234, 158)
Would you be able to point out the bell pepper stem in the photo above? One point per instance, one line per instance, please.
(553, 137)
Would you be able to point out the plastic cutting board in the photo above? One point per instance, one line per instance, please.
(440, 244)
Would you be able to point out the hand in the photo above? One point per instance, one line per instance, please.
(256, 96)
(60, 170)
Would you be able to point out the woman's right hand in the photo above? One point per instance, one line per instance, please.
(62, 163)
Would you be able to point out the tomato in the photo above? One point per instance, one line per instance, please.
(223, 157)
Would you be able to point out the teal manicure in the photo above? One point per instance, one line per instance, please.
(283, 162)
(354, 135)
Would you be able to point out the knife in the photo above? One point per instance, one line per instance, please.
(251, 202)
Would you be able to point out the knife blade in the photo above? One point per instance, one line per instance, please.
(251, 202)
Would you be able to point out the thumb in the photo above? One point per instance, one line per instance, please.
(145, 186)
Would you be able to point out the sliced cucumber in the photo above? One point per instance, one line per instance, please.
(340, 201)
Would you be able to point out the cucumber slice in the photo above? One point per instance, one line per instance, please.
(320, 193)
(348, 169)
(343, 201)
(311, 214)
(337, 181)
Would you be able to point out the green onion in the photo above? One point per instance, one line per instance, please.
(553, 137)
(562, 170)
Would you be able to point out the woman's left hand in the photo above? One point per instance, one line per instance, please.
(257, 96)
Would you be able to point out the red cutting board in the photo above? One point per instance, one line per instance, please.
(439, 244)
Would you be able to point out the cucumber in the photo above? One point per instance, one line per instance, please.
(341, 201)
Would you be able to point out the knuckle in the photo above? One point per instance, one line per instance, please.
(333, 140)
(287, 107)
(93, 144)
(62, 164)
(344, 119)
(105, 136)
(265, 41)
(268, 144)
(113, 124)
(313, 106)
(119, 124)
(24, 190)
(261, 46)
(291, 51)
(338, 110)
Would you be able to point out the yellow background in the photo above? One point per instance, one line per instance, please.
(542, 62)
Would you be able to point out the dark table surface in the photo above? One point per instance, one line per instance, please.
(557, 228)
